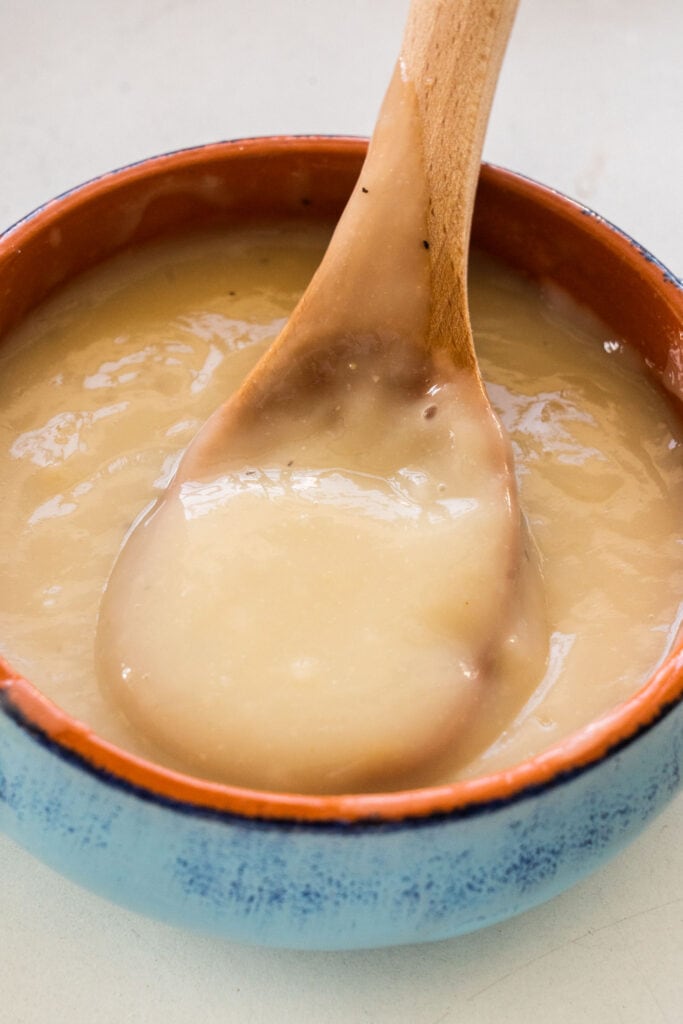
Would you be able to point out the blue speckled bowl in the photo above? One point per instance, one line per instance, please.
(345, 871)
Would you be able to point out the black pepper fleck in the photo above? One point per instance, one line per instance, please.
(425, 243)
(363, 189)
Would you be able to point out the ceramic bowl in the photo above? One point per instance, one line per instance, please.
(341, 871)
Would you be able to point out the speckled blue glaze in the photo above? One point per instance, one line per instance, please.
(329, 886)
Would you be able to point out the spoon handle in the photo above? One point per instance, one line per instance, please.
(451, 54)
(392, 286)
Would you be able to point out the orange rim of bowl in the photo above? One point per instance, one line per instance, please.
(23, 702)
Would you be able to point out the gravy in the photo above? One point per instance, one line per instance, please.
(104, 385)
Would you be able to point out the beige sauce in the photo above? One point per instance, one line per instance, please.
(106, 384)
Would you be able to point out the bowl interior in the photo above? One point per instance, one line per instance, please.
(535, 230)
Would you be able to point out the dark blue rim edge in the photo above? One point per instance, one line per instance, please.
(370, 821)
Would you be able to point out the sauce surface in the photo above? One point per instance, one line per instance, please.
(106, 384)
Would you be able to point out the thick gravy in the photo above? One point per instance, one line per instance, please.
(105, 385)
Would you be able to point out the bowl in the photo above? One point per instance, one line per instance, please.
(352, 870)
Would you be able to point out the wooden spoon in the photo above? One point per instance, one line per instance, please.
(395, 272)
(253, 625)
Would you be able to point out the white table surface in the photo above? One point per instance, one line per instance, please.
(591, 102)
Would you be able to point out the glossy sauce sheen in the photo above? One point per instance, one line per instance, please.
(104, 388)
